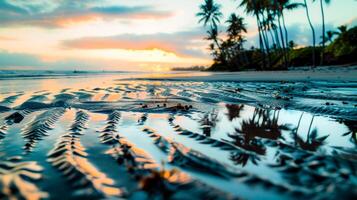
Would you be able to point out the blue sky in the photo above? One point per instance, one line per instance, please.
(129, 35)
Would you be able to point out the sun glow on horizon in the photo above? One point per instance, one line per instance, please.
(153, 35)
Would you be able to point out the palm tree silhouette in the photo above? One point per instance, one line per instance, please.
(244, 137)
(323, 27)
(210, 15)
(352, 130)
(255, 7)
(208, 121)
(312, 142)
(286, 5)
(234, 44)
(313, 34)
(329, 36)
(292, 45)
(295, 130)
(280, 6)
(277, 8)
(261, 125)
(212, 34)
(241, 158)
(234, 111)
(342, 29)
(235, 28)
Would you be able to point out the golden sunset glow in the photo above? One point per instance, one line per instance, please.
(110, 35)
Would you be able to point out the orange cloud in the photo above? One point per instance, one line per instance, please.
(92, 43)
(65, 21)
(183, 44)
(6, 38)
(72, 19)
(75, 20)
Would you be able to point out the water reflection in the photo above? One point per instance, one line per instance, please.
(234, 111)
(239, 158)
(261, 125)
(352, 130)
(312, 141)
(301, 155)
(208, 121)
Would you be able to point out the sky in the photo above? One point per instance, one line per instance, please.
(130, 35)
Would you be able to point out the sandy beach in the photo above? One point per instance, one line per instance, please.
(221, 136)
(178, 100)
(337, 73)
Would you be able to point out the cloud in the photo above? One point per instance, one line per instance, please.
(10, 60)
(13, 13)
(352, 22)
(7, 38)
(17, 59)
(186, 44)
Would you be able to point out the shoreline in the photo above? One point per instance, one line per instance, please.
(325, 73)
(319, 74)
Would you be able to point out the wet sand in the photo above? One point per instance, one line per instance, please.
(149, 135)
(318, 74)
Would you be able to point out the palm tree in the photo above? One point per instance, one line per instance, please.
(255, 8)
(212, 34)
(280, 6)
(352, 130)
(295, 130)
(208, 122)
(329, 36)
(272, 27)
(234, 110)
(286, 5)
(277, 9)
(250, 8)
(342, 29)
(313, 34)
(236, 27)
(291, 44)
(210, 13)
(234, 44)
(323, 27)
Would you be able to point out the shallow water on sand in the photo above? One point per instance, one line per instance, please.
(99, 136)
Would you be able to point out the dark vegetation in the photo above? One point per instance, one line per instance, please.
(276, 51)
(194, 68)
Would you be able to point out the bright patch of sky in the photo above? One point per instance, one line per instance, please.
(129, 35)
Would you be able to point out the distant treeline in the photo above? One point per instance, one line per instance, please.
(194, 68)
(275, 51)
(339, 51)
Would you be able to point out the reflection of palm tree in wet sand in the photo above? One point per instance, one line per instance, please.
(312, 142)
(208, 121)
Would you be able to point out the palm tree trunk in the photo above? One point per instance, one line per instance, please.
(283, 42)
(277, 37)
(308, 132)
(313, 35)
(297, 128)
(265, 36)
(285, 29)
(286, 38)
(265, 39)
(261, 41)
(221, 51)
(323, 32)
(272, 37)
